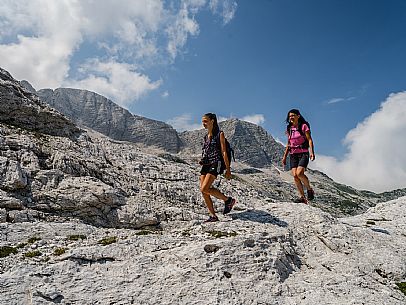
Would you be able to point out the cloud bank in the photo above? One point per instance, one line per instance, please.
(376, 150)
(104, 46)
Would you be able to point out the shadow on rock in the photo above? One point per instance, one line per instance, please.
(259, 216)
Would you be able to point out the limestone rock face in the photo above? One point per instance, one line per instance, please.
(251, 143)
(23, 109)
(101, 114)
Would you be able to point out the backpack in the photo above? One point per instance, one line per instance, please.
(305, 144)
(229, 150)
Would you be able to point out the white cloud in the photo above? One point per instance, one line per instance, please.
(179, 30)
(340, 99)
(184, 122)
(119, 81)
(376, 150)
(226, 9)
(254, 118)
(42, 40)
(165, 94)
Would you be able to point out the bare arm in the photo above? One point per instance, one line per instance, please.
(311, 145)
(224, 154)
(285, 154)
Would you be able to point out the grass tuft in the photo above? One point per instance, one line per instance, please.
(219, 234)
(34, 253)
(108, 240)
(76, 237)
(402, 287)
(7, 250)
(33, 239)
(59, 251)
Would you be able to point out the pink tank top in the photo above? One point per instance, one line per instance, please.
(296, 140)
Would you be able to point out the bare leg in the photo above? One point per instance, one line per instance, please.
(206, 188)
(298, 182)
(303, 178)
(206, 197)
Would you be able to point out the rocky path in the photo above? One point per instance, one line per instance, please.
(278, 253)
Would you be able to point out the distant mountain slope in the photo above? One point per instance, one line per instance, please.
(251, 143)
(23, 109)
(97, 112)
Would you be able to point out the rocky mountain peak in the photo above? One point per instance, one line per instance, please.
(97, 112)
(27, 86)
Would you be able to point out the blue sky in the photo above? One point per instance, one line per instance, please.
(341, 62)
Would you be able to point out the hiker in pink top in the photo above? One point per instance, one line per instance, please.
(300, 149)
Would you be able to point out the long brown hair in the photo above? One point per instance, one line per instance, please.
(212, 116)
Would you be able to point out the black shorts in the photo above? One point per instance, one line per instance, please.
(214, 169)
(301, 159)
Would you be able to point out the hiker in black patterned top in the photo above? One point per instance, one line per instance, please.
(214, 161)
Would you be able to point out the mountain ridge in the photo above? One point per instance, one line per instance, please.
(97, 112)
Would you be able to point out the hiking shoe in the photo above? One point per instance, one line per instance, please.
(228, 205)
(300, 200)
(310, 194)
(212, 219)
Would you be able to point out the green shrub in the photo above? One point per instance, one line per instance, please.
(34, 253)
(108, 240)
(33, 239)
(218, 234)
(7, 250)
(144, 232)
(76, 237)
(59, 251)
(402, 287)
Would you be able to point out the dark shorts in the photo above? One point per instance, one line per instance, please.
(214, 169)
(301, 159)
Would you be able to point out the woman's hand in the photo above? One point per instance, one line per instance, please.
(312, 156)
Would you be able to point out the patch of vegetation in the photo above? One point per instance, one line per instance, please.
(59, 251)
(7, 250)
(108, 240)
(21, 245)
(219, 234)
(33, 239)
(144, 232)
(34, 253)
(402, 287)
(76, 237)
